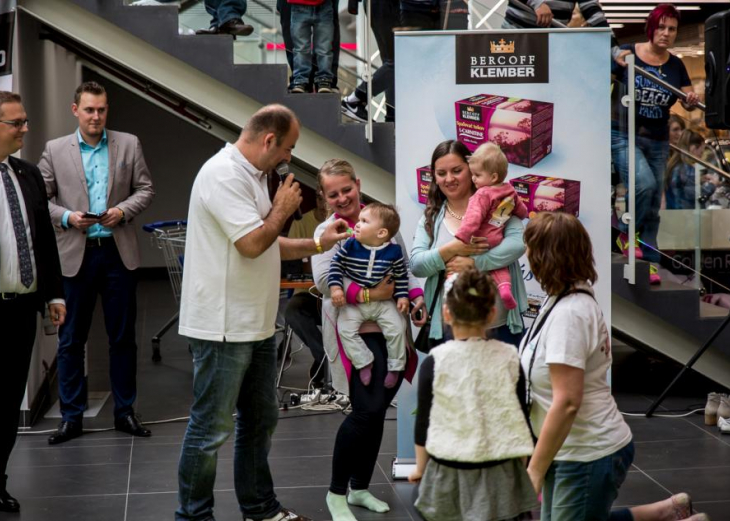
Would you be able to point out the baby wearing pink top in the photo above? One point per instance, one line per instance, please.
(490, 208)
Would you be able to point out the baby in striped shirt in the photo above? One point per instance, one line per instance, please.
(367, 258)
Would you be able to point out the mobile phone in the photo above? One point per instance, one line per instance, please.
(92, 215)
(419, 313)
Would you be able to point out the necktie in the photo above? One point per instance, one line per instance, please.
(26, 268)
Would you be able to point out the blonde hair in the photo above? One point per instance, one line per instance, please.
(335, 167)
(491, 158)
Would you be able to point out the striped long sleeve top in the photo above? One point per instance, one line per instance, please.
(367, 266)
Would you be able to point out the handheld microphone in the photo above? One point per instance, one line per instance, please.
(283, 170)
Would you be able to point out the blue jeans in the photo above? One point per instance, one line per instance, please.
(651, 161)
(228, 377)
(102, 272)
(223, 11)
(577, 491)
(311, 28)
(503, 334)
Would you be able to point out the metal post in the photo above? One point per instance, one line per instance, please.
(368, 75)
(629, 101)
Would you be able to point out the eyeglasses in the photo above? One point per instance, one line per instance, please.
(17, 123)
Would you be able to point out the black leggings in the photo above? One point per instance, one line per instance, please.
(358, 441)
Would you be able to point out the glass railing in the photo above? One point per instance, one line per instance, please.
(266, 44)
(680, 183)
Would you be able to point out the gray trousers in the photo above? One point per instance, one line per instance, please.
(391, 323)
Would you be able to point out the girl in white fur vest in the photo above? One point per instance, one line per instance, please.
(472, 436)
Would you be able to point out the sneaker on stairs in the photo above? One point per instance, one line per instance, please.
(654, 277)
(623, 243)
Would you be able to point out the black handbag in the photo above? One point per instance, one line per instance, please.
(423, 343)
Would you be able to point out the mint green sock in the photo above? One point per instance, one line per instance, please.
(363, 498)
(337, 505)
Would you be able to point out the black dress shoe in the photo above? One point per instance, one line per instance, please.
(131, 425)
(8, 503)
(66, 431)
(235, 27)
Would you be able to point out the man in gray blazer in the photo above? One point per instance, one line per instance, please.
(97, 182)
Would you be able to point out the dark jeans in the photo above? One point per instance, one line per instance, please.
(284, 9)
(651, 161)
(358, 440)
(384, 18)
(503, 334)
(228, 377)
(305, 318)
(576, 491)
(18, 326)
(222, 11)
(102, 272)
(312, 31)
(443, 14)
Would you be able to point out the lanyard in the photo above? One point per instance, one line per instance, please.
(532, 333)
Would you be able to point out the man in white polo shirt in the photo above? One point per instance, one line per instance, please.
(230, 296)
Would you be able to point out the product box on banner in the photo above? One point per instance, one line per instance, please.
(424, 178)
(548, 194)
(522, 128)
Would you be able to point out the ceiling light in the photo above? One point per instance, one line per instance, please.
(629, 15)
(645, 2)
(646, 7)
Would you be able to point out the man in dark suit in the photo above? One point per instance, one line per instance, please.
(30, 274)
(97, 182)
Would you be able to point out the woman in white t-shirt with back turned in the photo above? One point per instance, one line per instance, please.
(584, 447)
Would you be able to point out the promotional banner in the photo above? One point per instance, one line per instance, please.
(7, 25)
(543, 97)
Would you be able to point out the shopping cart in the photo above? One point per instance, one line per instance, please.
(169, 236)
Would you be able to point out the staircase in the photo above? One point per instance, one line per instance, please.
(669, 319)
(106, 27)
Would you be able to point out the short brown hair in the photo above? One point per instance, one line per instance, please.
(560, 251)
(387, 214)
(491, 158)
(335, 167)
(8, 97)
(274, 118)
(89, 87)
(471, 298)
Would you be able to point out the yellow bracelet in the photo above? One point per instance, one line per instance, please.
(318, 244)
(366, 295)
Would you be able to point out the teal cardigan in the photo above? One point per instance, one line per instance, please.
(427, 262)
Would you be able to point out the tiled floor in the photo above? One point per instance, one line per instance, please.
(109, 476)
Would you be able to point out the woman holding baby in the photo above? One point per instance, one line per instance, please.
(436, 249)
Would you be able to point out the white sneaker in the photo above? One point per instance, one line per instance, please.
(723, 425)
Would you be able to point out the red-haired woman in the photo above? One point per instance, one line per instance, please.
(652, 114)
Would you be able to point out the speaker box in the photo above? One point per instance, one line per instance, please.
(717, 70)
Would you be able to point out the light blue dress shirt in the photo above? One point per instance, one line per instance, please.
(95, 160)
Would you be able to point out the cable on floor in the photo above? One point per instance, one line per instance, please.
(690, 413)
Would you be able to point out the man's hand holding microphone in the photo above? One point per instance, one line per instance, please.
(288, 199)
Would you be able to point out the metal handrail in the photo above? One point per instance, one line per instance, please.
(700, 161)
(656, 79)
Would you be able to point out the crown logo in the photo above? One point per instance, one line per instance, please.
(470, 109)
(502, 47)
